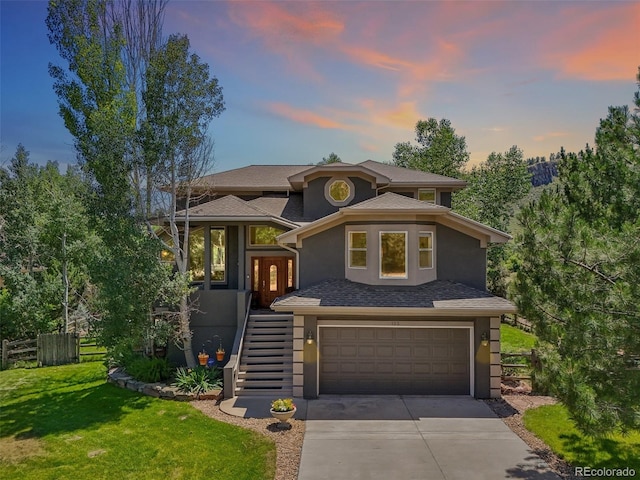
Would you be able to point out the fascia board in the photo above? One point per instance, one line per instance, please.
(279, 221)
(395, 311)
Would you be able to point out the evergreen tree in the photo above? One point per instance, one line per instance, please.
(578, 277)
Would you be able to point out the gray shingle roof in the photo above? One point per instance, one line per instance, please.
(400, 175)
(437, 294)
(227, 206)
(252, 177)
(276, 177)
(289, 207)
(393, 201)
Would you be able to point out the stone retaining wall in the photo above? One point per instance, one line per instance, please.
(121, 379)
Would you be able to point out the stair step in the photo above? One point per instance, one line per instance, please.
(256, 350)
(258, 337)
(260, 375)
(284, 367)
(263, 392)
(271, 318)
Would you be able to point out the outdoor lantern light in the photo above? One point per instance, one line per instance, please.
(309, 337)
(484, 339)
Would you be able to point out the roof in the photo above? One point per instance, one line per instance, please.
(252, 177)
(287, 177)
(407, 176)
(231, 207)
(440, 297)
(396, 206)
(395, 201)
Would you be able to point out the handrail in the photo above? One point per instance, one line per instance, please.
(231, 368)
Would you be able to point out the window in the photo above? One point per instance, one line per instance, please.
(357, 249)
(263, 235)
(196, 254)
(339, 191)
(425, 249)
(427, 195)
(290, 273)
(273, 278)
(393, 254)
(218, 258)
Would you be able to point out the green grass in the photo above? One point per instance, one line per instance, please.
(515, 340)
(90, 352)
(67, 422)
(552, 424)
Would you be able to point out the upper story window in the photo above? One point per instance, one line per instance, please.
(339, 191)
(425, 249)
(196, 254)
(261, 235)
(393, 254)
(427, 195)
(357, 249)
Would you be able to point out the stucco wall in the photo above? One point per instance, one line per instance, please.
(460, 258)
(322, 256)
(315, 203)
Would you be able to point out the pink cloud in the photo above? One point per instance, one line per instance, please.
(306, 117)
(601, 44)
(546, 136)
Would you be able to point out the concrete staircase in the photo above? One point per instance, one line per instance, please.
(266, 364)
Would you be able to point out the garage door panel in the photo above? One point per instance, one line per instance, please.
(427, 361)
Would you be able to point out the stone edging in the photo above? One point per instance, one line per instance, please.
(122, 379)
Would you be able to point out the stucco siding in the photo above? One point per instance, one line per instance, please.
(460, 258)
(322, 256)
(316, 205)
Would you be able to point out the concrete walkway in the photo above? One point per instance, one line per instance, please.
(405, 438)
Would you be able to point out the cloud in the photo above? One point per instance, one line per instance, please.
(598, 44)
(306, 117)
(494, 129)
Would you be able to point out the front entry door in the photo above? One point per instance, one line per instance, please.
(271, 277)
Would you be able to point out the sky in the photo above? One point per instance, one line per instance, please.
(304, 79)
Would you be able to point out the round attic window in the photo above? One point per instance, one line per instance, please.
(339, 191)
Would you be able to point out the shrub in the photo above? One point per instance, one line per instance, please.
(149, 370)
(198, 380)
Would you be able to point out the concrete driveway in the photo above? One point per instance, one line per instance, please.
(405, 438)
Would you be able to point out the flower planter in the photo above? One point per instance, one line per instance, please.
(202, 359)
(220, 356)
(283, 417)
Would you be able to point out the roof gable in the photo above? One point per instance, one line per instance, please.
(410, 177)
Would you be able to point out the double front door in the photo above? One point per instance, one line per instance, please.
(271, 277)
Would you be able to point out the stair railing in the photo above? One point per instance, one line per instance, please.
(232, 367)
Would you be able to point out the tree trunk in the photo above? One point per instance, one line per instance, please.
(65, 280)
(185, 332)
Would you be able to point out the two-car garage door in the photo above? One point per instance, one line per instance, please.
(397, 361)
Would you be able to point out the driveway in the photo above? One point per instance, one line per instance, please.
(407, 437)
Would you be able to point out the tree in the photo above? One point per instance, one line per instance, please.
(181, 99)
(578, 277)
(98, 100)
(439, 149)
(494, 189)
(332, 158)
(44, 240)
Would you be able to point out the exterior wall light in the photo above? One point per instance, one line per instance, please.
(309, 337)
(484, 339)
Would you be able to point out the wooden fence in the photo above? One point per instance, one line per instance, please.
(517, 321)
(47, 349)
(514, 370)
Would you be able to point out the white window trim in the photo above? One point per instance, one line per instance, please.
(356, 249)
(406, 255)
(226, 256)
(420, 250)
(428, 190)
(327, 191)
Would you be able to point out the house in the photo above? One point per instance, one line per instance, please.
(344, 279)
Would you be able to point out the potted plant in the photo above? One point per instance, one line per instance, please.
(220, 353)
(283, 409)
(203, 357)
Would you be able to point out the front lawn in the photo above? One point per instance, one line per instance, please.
(67, 422)
(515, 340)
(552, 424)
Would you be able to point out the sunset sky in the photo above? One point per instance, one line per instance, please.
(304, 79)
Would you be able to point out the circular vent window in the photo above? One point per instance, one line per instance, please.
(339, 191)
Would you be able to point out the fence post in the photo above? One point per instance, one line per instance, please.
(5, 353)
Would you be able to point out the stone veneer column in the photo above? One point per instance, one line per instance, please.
(298, 355)
(496, 369)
